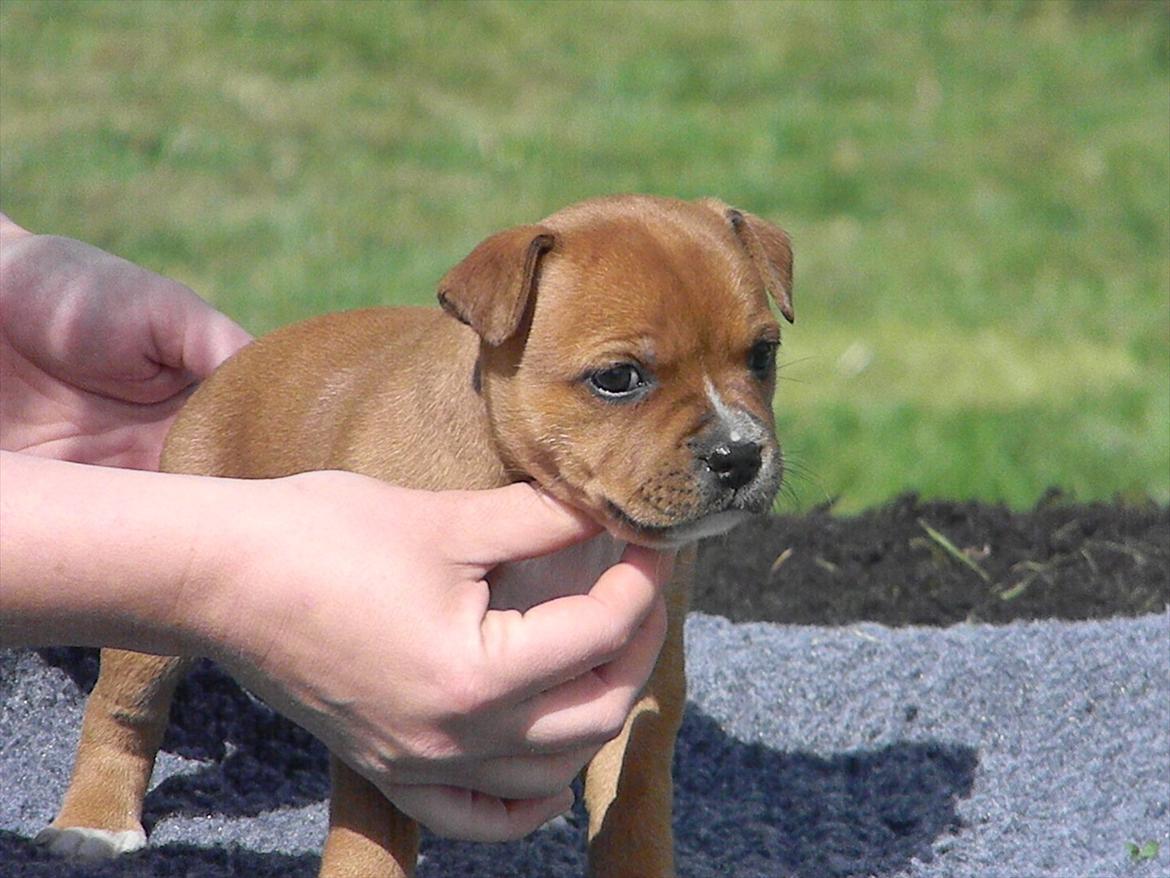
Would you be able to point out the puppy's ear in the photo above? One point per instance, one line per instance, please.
(490, 289)
(770, 251)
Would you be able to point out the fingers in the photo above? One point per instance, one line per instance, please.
(561, 639)
(510, 524)
(528, 777)
(510, 777)
(563, 728)
(210, 340)
(593, 707)
(553, 684)
(191, 338)
(464, 814)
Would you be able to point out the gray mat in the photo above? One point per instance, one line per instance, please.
(1020, 751)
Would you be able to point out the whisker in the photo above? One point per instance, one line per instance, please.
(798, 473)
(788, 365)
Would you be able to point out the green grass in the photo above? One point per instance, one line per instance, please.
(979, 193)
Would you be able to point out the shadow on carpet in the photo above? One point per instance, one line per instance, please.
(795, 813)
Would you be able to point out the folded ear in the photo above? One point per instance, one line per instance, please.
(770, 250)
(490, 289)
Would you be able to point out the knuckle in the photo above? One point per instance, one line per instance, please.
(613, 639)
(464, 691)
(426, 748)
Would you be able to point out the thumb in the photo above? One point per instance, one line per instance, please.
(210, 337)
(190, 340)
(511, 524)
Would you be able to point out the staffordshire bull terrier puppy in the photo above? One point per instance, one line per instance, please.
(620, 354)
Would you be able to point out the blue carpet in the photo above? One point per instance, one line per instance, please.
(1016, 751)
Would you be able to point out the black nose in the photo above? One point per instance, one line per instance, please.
(734, 463)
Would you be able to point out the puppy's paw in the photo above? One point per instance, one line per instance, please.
(83, 843)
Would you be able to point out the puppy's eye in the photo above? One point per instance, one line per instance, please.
(762, 358)
(617, 382)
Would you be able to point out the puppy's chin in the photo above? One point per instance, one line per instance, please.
(624, 527)
(627, 528)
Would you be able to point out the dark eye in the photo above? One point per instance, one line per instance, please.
(762, 358)
(617, 382)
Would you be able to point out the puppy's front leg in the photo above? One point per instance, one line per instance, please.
(368, 836)
(628, 787)
(125, 718)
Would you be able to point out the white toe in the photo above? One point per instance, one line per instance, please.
(83, 843)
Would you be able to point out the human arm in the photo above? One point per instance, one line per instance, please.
(96, 357)
(351, 606)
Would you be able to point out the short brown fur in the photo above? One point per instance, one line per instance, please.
(502, 394)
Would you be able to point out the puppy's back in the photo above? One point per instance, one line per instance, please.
(382, 391)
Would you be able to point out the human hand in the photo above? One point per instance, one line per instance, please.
(361, 611)
(358, 609)
(96, 353)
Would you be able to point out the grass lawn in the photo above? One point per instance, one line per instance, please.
(979, 193)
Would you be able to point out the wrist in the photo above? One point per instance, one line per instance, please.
(255, 611)
(231, 605)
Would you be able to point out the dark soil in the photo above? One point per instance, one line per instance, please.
(914, 562)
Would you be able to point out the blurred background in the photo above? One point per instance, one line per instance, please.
(978, 193)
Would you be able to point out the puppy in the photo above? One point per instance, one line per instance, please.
(620, 354)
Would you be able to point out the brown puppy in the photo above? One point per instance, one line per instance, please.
(620, 354)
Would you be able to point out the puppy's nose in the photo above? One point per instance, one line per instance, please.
(734, 463)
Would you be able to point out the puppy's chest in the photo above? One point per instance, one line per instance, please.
(525, 584)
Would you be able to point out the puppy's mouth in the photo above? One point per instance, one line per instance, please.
(657, 536)
(718, 512)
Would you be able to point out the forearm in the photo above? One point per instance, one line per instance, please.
(96, 556)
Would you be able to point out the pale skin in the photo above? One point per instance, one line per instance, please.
(358, 609)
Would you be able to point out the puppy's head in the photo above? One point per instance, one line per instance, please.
(628, 359)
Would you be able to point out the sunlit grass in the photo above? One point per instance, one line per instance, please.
(979, 194)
